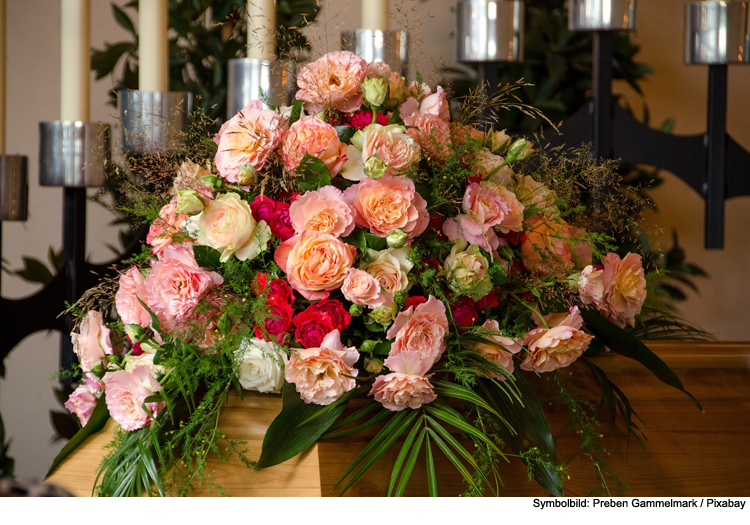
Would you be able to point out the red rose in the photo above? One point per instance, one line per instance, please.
(277, 319)
(259, 283)
(362, 119)
(332, 308)
(281, 223)
(464, 312)
(414, 301)
(281, 288)
(312, 327)
(263, 208)
(488, 301)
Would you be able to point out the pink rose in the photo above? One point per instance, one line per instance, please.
(484, 208)
(324, 210)
(83, 400)
(513, 220)
(277, 320)
(333, 81)
(499, 348)
(311, 135)
(397, 391)
(126, 393)
(162, 229)
(557, 346)
(388, 203)
(433, 104)
(363, 289)
(254, 104)
(432, 134)
(249, 139)
(392, 145)
(421, 331)
(92, 342)
(624, 288)
(132, 288)
(176, 284)
(590, 286)
(489, 167)
(227, 225)
(320, 374)
(315, 263)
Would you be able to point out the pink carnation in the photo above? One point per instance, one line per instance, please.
(333, 81)
(320, 374)
(92, 342)
(419, 331)
(398, 391)
(83, 400)
(132, 288)
(557, 346)
(281, 223)
(311, 135)
(324, 210)
(162, 229)
(126, 393)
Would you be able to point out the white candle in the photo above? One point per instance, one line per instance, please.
(74, 55)
(261, 29)
(375, 14)
(3, 51)
(153, 49)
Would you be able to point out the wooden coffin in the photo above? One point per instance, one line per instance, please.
(687, 453)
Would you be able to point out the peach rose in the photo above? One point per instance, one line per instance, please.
(490, 167)
(432, 134)
(390, 144)
(125, 396)
(319, 139)
(227, 225)
(397, 391)
(484, 208)
(535, 194)
(324, 210)
(557, 346)
(315, 263)
(553, 246)
(320, 374)
(132, 287)
(624, 288)
(176, 284)
(333, 81)
(590, 286)
(467, 269)
(502, 349)
(420, 331)
(363, 289)
(162, 229)
(249, 139)
(435, 104)
(513, 220)
(390, 267)
(388, 203)
(92, 341)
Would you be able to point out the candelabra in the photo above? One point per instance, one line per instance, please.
(374, 45)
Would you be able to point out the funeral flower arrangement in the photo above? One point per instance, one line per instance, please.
(376, 258)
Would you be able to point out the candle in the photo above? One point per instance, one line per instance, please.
(375, 14)
(261, 29)
(153, 49)
(75, 65)
(3, 51)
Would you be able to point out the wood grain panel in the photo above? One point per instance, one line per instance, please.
(688, 453)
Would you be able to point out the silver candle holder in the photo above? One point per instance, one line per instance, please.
(391, 47)
(153, 121)
(601, 15)
(252, 79)
(73, 154)
(14, 188)
(489, 31)
(717, 33)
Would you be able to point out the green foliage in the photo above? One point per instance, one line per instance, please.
(312, 174)
(207, 33)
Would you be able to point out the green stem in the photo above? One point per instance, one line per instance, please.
(529, 307)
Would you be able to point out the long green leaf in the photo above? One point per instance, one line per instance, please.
(96, 422)
(285, 437)
(530, 429)
(455, 419)
(431, 477)
(453, 459)
(369, 407)
(624, 343)
(377, 418)
(409, 467)
(402, 456)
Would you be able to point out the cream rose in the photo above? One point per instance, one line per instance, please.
(227, 225)
(261, 366)
(392, 145)
(467, 269)
(315, 263)
(390, 267)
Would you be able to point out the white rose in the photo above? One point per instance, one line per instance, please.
(261, 366)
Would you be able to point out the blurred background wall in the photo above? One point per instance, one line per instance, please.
(675, 90)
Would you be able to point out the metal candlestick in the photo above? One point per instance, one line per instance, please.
(717, 33)
(601, 15)
(153, 121)
(14, 188)
(391, 47)
(252, 79)
(72, 154)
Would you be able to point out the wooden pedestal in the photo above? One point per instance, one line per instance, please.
(688, 453)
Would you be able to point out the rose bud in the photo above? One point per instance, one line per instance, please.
(375, 168)
(375, 90)
(396, 238)
(373, 366)
(189, 202)
(246, 176)
(521, 149)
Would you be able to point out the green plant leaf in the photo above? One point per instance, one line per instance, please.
(402, 457)
(96, 422)
(624, 343)
(285, 437)
(296, 112)
(375, 242)
(431, 477)
(345, 133)
(356, 239)
(409, 466)
(525, 428)
(312, 173)
(207, 257)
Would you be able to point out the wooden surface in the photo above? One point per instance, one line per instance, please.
(688, 453)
